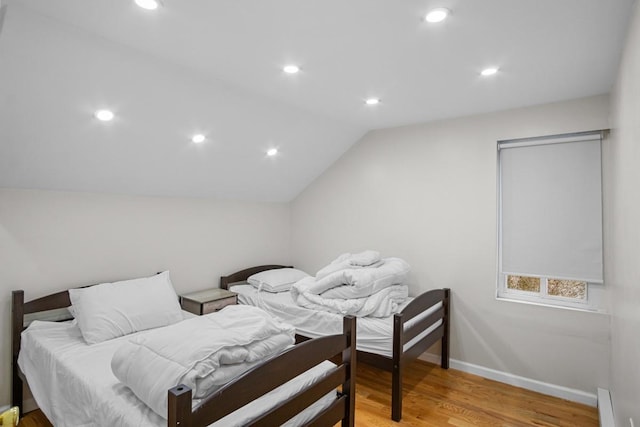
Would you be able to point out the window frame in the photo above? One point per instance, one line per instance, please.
(589, 303)
(594, 300)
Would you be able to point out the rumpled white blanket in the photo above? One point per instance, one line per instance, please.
(374, 291)
(363, 259)
(381, 304)
(202, 353)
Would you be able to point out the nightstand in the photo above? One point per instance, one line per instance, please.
(205, 302)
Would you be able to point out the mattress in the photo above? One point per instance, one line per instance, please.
(374, 334)
(73, 384)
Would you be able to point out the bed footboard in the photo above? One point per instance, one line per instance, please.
(275, 372)
(405, 330)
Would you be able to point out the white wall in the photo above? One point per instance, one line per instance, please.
(50, 241)
(427, 193)
(622, 247)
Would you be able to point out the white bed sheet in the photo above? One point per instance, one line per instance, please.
(374, 334)
(73, 384)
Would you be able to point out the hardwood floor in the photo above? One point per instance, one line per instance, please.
(437, 397)
(34, 419)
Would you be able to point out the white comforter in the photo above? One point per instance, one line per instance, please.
(202, 353)
(374, 291)
(364, 259)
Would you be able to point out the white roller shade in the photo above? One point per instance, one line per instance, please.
(551, 208)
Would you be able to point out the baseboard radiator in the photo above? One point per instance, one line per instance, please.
(605, 408)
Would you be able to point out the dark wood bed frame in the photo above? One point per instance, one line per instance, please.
(244, 389)
(401, 335)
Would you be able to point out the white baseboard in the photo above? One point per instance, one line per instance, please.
(605, 408)
(431, 358)
(518, 381)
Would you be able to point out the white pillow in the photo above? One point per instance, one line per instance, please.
(278, 280)
(111, 310)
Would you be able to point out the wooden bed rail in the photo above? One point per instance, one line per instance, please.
(275, 372)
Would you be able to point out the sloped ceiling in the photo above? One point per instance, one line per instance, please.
(215, 67)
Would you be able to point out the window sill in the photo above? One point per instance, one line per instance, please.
(562, 307)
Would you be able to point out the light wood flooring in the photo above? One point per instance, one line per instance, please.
(438, 397)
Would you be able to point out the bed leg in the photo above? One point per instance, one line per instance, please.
(16, 391)
(17, 324)
(179, 407)
(396, 373)
(349, 358)
(444, 361)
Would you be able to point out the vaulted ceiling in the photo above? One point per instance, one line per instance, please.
(215, 68)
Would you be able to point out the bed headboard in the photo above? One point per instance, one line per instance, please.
(243, 275)
(50, 307)
(21, 310)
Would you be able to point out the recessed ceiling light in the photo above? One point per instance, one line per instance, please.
(197, 139)
(291, 69)
(148, 4)
(372, 101)
(272, 152)
(104, 115)
(437, 15)
(489, 71)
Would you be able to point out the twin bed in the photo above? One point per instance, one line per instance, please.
(73, 383)
(387, 343)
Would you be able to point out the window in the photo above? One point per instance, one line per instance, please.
(550, 220)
